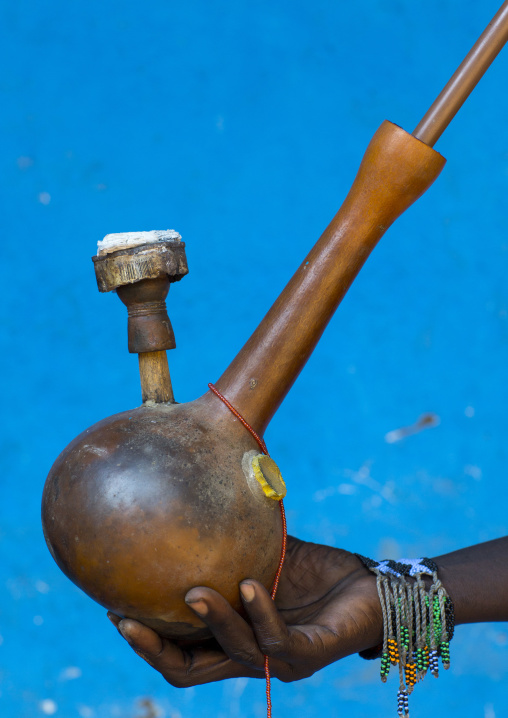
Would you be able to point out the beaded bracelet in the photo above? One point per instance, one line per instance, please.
(418, 623)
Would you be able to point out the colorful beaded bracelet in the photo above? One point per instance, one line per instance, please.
(418, 623)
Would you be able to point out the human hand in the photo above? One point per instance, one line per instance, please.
(326, 608)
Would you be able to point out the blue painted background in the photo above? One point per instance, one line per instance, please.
(241, 125)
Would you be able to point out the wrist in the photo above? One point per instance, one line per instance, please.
(476, 579)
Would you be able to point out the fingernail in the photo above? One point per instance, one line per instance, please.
(124, 630)
(199, 607)
(247, 591)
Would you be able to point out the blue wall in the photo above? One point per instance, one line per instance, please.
(241, 125)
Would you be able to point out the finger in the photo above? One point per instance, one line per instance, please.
(296, 651)
(181, 668)
(269, 627)
(291, 650)
(141, 638)
(145, 642)
(230, 630)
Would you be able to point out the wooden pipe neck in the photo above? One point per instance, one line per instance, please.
(149, 335)
(155, 379)
(395, 171)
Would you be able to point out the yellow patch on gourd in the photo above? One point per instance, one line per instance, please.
(268, 474)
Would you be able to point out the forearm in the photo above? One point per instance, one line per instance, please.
(476, 579)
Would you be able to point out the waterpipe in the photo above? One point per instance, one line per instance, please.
(150, 502)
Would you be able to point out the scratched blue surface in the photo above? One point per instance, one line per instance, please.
(241, 125)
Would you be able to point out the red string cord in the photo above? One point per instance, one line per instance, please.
(263, 448)
(274, 591)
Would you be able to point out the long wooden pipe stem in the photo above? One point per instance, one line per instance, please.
(396, 169)
(465, 79)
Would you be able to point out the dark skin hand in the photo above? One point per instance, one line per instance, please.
(326, 608)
